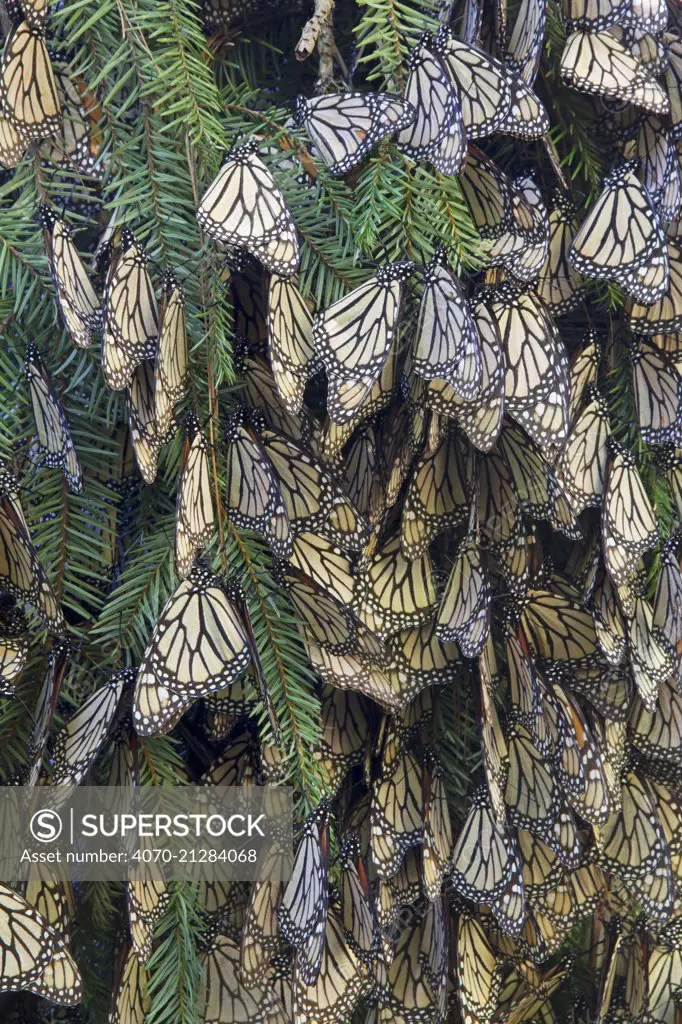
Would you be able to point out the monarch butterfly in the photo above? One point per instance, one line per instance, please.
(557, 627)
(628, 522)
(21, 573)
(78, 743)
(132, 1002)
(54, 901)
(308, 491)
(483, 86)
(358, 913)
(33, 955)
(631, 842)
(142, 420)
(53, 446)
(224, 997)
(78, 303)
(171, 372)
(290, 336)
(479, 976)
(59, 981)
(559, 284)
(419, 659)
(303, 908)
(353, 338)
(584, 371)
(533, 795)
(245, 209)
(646, 16)
(262, 394)
(342, 743)
(669, 811)
(343, 979)
(354, 672)
(79, 139)
(493, 743)
(146, 901)
(417, 974)
(608, 621)
(249, 294)
(673, 78)
(235, 764)
(526, 118)
(58, 660)
(596, 63)
(402, 889)
(536, 486)
(28, 88)
(447, 344)
(581, 468)
(260, 938)
(253, 496)
(396, 814)
(593, 17)
(491, 98)
(437, 840)
(323, 620)
(525, 43)
(488, 193)
(345, 128)
(333, 437)
(481, 417)
(131, 318)
(660, 166)
(658, 733)
(668, 598)
(485, 857)
(437, 133)
(194, 517)
(541, 867)
(622, 239)
(500, 517)
(650, 661)
(198, 645)
(326, 564)
(345, 526)
(361, 469)
(34, 11)
(12, 145)
(437, 496)
(394, 593)
(510, 910)
(14, 647)
(664, 316)
(464, 613)
(515, 247)
(531, 259)
(580, 766)
(527, 694)
(657, 385)
(536, 381)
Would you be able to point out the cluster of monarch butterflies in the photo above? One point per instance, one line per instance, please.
(458, 519)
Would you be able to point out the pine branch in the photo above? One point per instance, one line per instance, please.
(175, 971)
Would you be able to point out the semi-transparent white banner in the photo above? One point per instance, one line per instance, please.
(164, 833)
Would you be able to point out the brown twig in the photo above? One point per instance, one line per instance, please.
(555, 161)
(313, 28)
